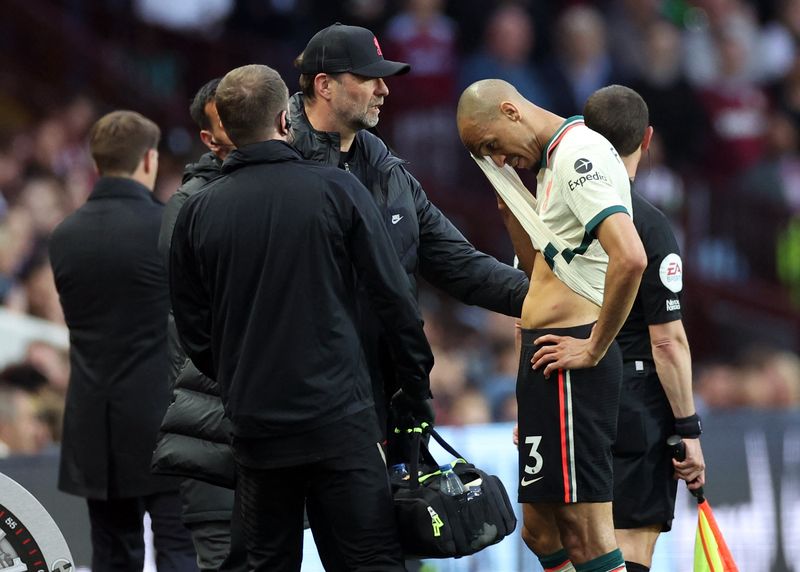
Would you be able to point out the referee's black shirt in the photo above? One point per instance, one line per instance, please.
(263, 268)
(658, 300)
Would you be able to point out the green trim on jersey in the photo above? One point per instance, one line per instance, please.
(602, 215)
(554, 139)
(568, 254)
(550, 253)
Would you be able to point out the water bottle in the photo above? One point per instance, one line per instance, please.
(399, 472)
(449, 482)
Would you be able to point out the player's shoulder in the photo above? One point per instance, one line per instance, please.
(582, 148)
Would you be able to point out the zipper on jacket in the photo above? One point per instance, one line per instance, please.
(347, 166)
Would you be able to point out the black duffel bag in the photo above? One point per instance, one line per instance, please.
(433, 524)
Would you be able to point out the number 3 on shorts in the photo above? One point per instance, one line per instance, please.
(533, 441)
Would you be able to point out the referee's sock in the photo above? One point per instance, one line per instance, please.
(636, 567)
(556, 562)
(611, 562)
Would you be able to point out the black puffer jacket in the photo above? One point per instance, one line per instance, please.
(425, 240)
(195, 434)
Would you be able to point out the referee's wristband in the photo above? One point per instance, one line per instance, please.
(689, 427)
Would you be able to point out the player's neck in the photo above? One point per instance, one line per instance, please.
(631, 163)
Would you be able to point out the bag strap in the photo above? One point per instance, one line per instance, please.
(420, 449)
(445, 445)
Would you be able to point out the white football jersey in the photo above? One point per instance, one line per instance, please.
(581, 181)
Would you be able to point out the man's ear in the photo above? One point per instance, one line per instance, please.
(648, 137)
(208, 140)
(150, 160)
(509, 110)
(284, 125)
(322, 85)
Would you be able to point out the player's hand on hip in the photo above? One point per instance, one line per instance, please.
(562, 352)
(693, 468)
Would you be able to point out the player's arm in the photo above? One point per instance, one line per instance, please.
(674, 367)
(626, 263)
(451, 263)
(523, 247)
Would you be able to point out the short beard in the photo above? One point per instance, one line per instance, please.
(363, 121)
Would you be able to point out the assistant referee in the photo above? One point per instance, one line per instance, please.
(656, 398)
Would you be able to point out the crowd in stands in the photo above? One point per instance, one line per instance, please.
(721, 77)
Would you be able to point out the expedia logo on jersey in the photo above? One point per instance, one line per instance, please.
(582, 166)
(596, 176)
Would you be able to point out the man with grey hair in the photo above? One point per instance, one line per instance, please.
(263, 272)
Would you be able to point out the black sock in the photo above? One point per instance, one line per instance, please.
(635, 567)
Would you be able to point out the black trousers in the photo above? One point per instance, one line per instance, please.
(210, 516)
(352, 510)
(118, 534)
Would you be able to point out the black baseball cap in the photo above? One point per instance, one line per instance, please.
(353, 49)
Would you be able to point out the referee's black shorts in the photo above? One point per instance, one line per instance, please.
(644, 488)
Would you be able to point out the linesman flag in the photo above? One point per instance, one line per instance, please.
(711, 554)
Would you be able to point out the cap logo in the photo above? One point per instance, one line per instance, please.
(377, 46)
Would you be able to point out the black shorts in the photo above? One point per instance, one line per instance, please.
(644, 489)
(567, 425)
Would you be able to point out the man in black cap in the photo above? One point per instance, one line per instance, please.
(343, 88)
(278, 332)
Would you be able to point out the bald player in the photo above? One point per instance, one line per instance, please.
(570, 367)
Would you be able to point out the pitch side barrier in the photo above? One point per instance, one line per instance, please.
(753, 460)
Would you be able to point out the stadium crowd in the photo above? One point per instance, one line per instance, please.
(721, 78)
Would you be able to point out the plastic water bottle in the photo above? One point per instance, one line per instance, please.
(449, 483)
(399, 471)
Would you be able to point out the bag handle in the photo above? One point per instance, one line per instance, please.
(418, 448)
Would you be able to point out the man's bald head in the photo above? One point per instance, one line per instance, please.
(482, 100)
(495, 120)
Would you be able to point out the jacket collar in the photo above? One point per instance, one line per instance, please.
(207, 166)
(120, 188)
(273, 151)
(321, 146)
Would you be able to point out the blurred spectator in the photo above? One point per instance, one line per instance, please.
(506, 54)
(16, 246)
(737, 111)
(582, 63)
(707, 23)
(774, 185)
(662, 186)
(675, 111)
(422, 100)
(43, 199)
(448, 381)
(778, 41)
(629, 34)
(52, 362)
(786, 93)
(21, 433)
(502, 382)
(717, 388)
(470, 408)
(186, 16)
(40, 292)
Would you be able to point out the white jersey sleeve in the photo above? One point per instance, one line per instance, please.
(590, 172)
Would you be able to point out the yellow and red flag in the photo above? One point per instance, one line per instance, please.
(711, 554)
